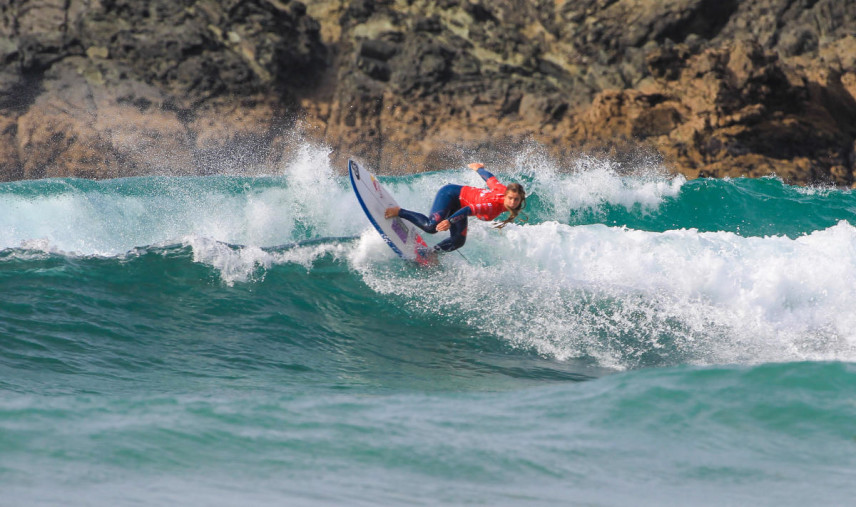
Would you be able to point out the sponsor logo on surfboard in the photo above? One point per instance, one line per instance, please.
(356, 168)
(399, 229)
(377, 187)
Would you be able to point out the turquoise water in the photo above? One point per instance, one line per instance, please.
(641, 340)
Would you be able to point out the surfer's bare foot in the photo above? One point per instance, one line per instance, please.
(391, 212)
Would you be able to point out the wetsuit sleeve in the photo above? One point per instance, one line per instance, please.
(490, 179)
(485, 174)
(460, 214)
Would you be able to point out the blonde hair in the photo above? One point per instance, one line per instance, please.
(517, 188)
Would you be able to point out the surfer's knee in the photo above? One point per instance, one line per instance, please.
(430, 227)
(433, 222)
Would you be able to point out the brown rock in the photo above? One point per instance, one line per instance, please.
(196, 86)
(10, 162)
(116, 88)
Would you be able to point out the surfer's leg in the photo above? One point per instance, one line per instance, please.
(445, 203)
(457, 238)
(419, 220)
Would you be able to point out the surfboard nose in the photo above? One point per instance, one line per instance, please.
(354, 168)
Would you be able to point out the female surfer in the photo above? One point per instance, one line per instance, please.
(454, 203)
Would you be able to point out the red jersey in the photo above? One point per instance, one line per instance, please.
(486, 204)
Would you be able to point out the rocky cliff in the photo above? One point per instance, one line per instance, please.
(104, 88)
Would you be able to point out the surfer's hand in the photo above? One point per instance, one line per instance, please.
(443, 226)
(391, 212)
(475, 166)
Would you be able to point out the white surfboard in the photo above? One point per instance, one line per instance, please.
(402, 236)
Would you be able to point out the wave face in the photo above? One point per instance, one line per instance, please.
(156, 332)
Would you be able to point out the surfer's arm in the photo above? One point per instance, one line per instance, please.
(460, 214)
(457, 216)
(490, 179)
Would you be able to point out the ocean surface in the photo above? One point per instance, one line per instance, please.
(233, 340)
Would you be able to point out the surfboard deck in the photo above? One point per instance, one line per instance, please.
(402, 236)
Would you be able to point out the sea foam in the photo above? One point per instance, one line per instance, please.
(629, 298)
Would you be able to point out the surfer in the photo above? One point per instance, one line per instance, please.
(454, 203)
